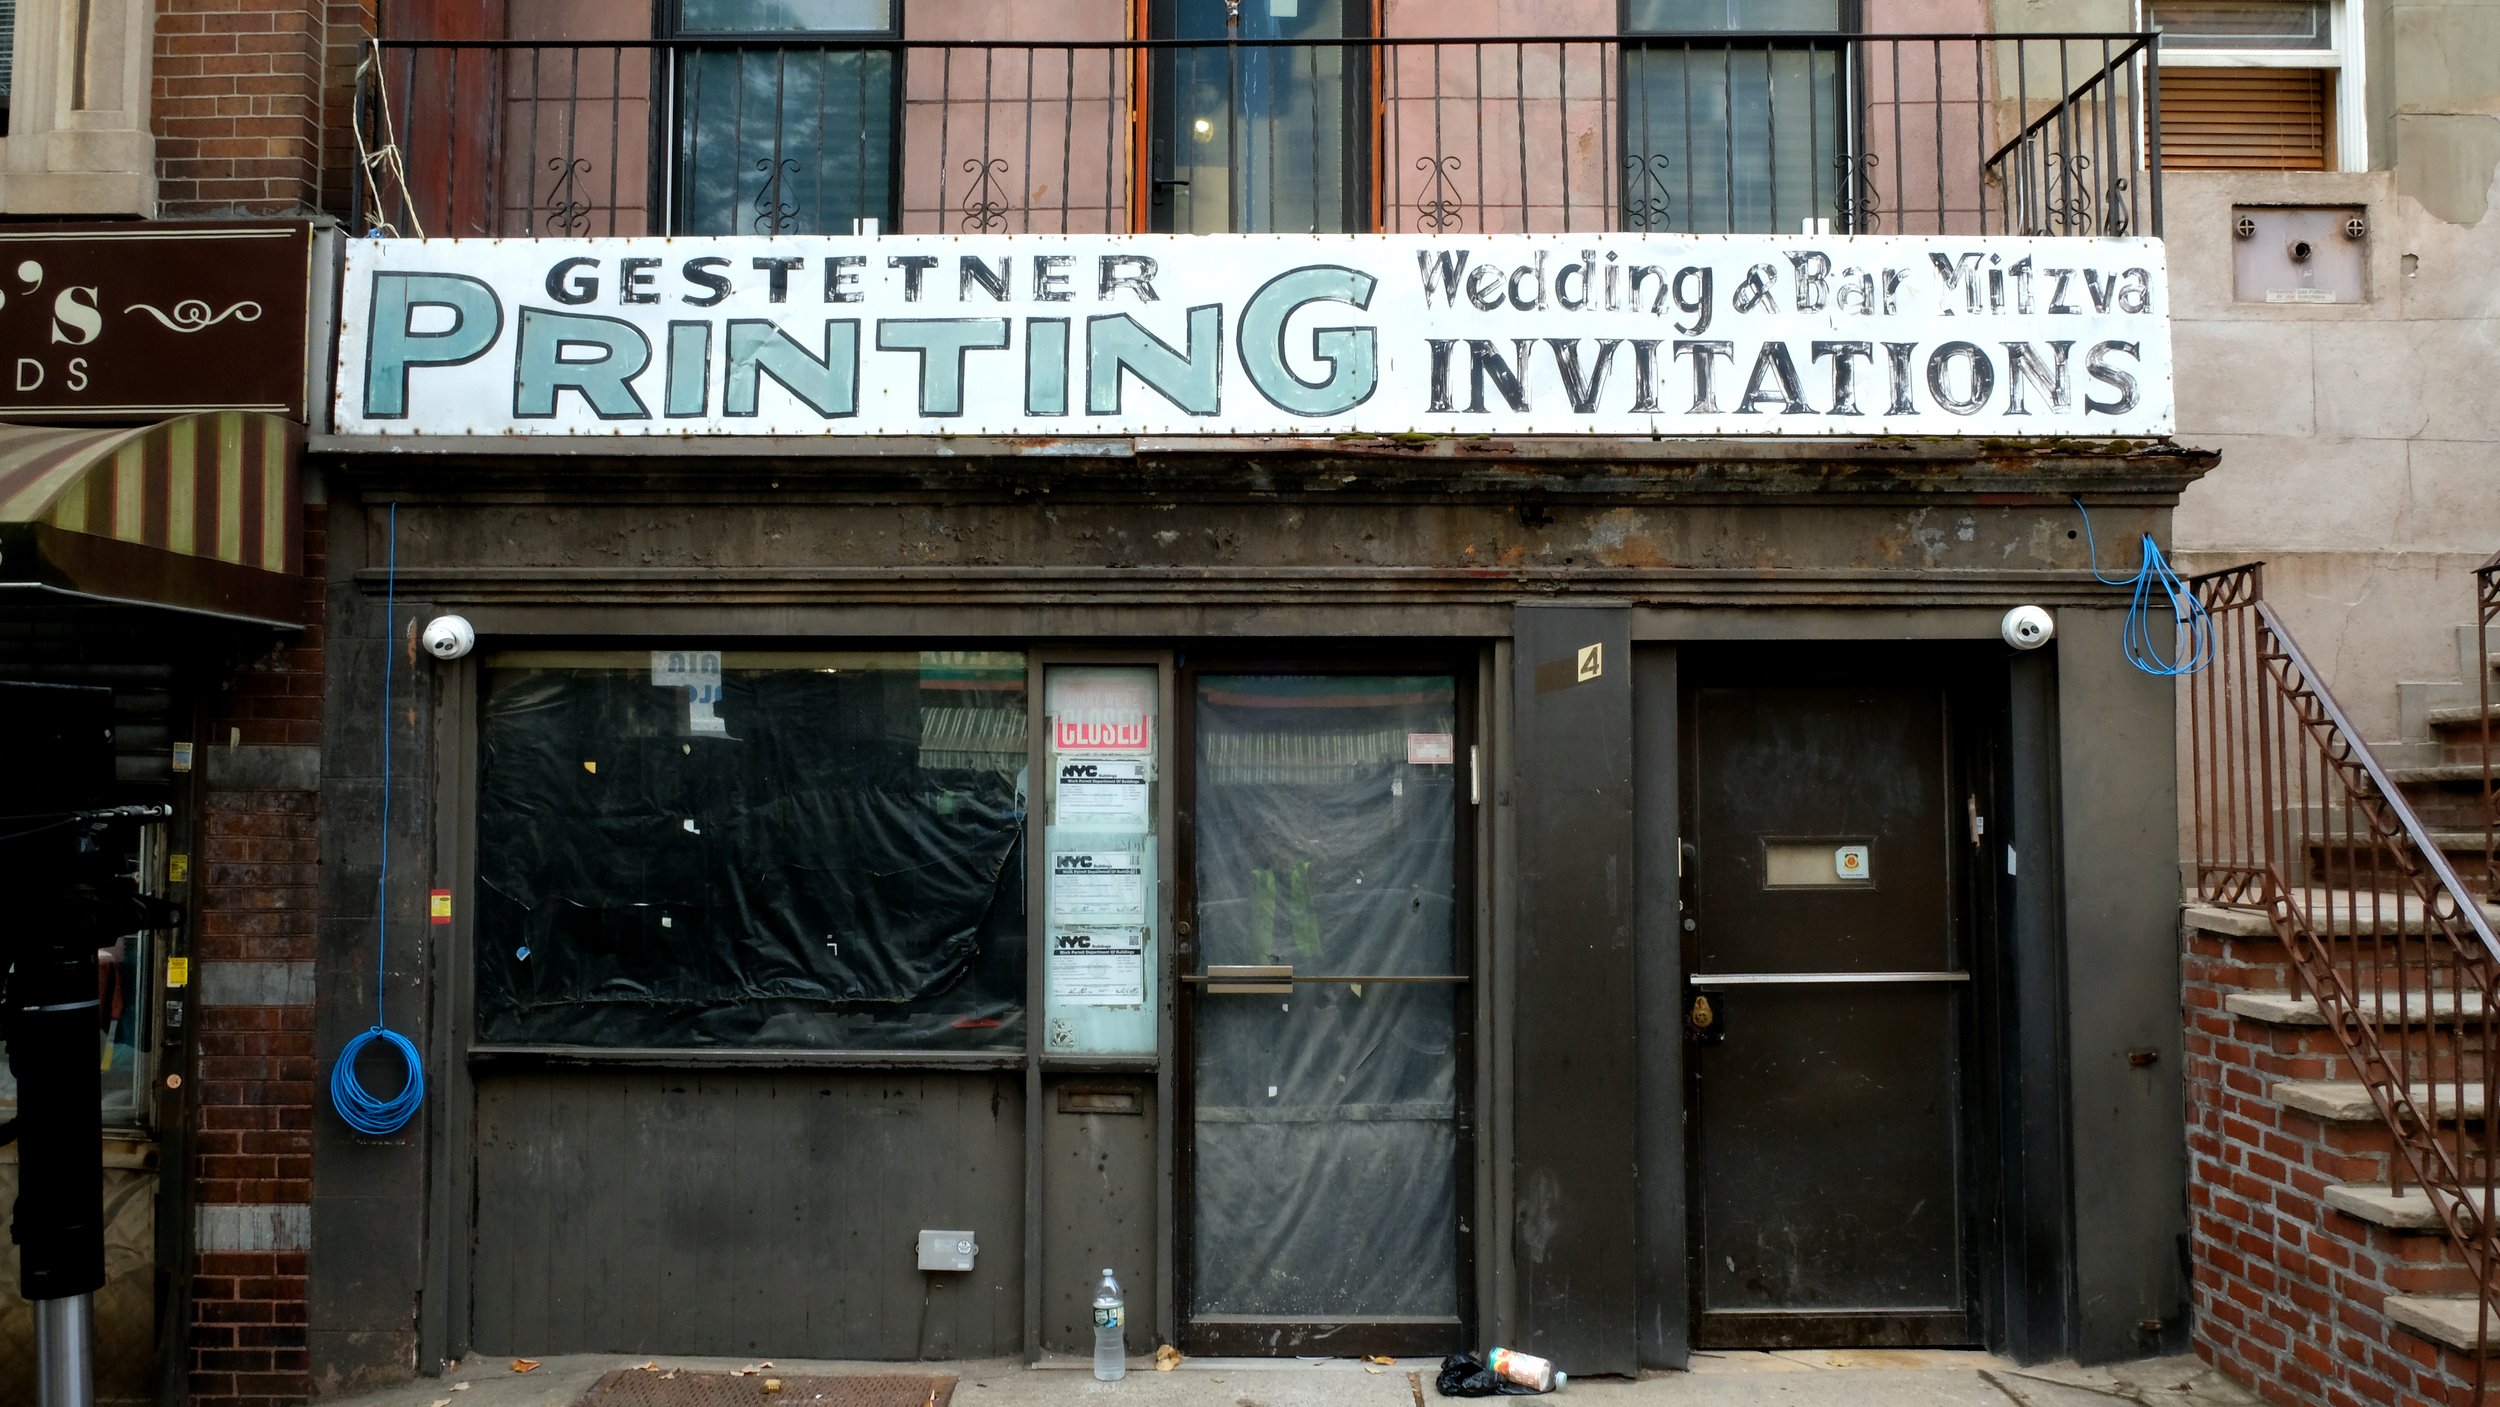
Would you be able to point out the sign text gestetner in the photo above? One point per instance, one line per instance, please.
(1257, 334)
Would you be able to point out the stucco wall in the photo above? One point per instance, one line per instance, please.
(2360, 444)
(2357, 441)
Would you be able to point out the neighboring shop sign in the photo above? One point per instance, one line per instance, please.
(1607, 334)
(142, 322)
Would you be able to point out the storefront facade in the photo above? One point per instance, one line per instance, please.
(152, 559)
(1396, 816)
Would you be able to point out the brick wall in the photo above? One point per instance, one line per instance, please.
(253, 1087)
(2287, 1291)
(251, 104)
(351, 23)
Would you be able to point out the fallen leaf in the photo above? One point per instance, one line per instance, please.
(524, 1365)
(1369, 1368)
(664, 1377)
(1382, 1359)
(651, 1367)
(772, 1385)
(460, 1387)
(1167, 1358)
(439, 1402)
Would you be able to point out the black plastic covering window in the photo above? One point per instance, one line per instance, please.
(829, 857)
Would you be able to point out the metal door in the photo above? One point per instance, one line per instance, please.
(1322, 1020)
(1825, 1007)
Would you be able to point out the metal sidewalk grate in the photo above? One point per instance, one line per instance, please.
(637, 1387)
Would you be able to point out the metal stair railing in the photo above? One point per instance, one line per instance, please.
(2487, 609)
(2292, 815)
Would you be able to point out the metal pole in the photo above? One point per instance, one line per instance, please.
(64, 1352)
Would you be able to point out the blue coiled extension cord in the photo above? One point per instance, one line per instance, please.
(2192, 638)
(356, 1105)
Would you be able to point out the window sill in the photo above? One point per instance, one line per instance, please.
(78, 173)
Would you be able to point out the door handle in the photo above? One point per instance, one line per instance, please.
(1250, 979)
(1818, 979)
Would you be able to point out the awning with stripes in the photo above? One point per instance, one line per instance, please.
(200, 513)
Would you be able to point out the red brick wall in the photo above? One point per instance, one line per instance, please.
(252, 1080)
(275, 701)
(351, 24)
(251, 104)
(247, 1330)
(2287, 1292)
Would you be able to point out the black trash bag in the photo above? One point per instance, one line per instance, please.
(1465, 1375)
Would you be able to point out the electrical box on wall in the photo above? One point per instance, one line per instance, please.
(947, 1250)
(2298, 253)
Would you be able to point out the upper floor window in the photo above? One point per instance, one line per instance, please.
(1735, 114)
(786, 115)
(8, 58)
(1260, 137)
(2255, 85)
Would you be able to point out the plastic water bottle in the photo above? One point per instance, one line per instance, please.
(1110, 1330)
(1527, 1370)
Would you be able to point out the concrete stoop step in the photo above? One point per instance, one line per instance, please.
(2336, 913)
(2455, 1321)
(2289, 1009)
(2348, 1101)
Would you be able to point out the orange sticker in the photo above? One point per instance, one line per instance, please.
(442, 906)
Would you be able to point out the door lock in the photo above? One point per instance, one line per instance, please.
(1705, 1021)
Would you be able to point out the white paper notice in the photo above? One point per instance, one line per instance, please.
(1102, 794)
(1097, 886)
(1098, 966)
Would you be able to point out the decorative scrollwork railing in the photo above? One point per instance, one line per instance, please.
(1656, 133)
(2293, 816)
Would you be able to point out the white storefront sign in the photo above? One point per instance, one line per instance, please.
(1307, 335)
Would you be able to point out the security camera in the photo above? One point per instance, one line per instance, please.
(2027, 627)
(450, 637)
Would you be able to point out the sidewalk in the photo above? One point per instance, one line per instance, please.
(1863, 1378)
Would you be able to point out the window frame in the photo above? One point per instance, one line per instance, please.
(1362, 190)
(668, 79)
(624, 651)
(2342, 60)
(1849, 28)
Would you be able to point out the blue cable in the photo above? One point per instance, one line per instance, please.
(356, 1105)
(2192, 638)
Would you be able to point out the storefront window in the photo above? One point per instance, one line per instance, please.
(124, 1013)
(691, 847)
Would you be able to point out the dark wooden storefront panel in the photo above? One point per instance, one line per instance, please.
(740, 1213)
(1574, 1227)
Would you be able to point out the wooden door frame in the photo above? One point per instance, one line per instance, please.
(1246, 1336)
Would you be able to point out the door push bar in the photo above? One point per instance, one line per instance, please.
(1250, 980)
(1272, 979)
(1816, 979)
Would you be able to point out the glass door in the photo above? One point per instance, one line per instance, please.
(1324, 1015)
(1258, 124)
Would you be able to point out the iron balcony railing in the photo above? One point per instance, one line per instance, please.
(1879, 133)
(2292, 815)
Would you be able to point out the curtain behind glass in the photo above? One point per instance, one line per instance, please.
(1326, 1122)
(784, 140)
(1260, 135)
(1722, 136)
